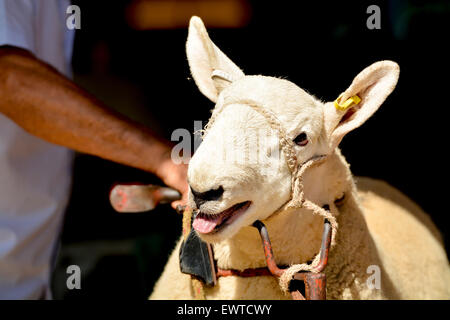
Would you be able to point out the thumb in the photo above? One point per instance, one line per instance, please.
(181, 202)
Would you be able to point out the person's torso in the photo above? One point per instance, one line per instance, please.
(35, 176)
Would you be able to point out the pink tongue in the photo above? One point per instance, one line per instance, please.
(205, 224)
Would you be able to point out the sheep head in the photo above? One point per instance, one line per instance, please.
(239, 174)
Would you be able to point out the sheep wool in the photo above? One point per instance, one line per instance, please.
(384, 245)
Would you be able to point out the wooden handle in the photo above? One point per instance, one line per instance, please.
(140, 198)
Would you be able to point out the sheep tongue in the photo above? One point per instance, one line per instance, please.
(206, 224)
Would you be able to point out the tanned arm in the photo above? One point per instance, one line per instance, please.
(48, 105)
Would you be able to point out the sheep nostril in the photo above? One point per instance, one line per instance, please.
(210, 195)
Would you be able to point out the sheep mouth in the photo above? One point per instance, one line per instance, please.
(211, 223)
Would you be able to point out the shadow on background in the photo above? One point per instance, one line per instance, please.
(318, 45)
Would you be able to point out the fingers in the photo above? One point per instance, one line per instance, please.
(179, 208)
(180, 205)
(175, 176)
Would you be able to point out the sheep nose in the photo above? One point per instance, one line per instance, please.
(210, 195)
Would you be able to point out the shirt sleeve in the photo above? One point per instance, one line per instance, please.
(17, 21)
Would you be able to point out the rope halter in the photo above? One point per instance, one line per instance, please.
(297, 198)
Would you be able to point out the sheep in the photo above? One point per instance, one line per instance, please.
(377, 227)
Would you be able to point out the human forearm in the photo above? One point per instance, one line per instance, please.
(48, 105)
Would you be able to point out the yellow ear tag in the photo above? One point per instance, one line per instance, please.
(350, 101)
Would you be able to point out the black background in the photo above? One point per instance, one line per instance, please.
(320, 46)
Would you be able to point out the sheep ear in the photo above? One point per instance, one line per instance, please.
(360, 101)
(211, 69)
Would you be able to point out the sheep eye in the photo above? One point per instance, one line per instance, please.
(301, 139)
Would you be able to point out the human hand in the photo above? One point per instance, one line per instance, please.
(175, 176)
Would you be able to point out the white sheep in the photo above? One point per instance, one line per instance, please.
(379, 229)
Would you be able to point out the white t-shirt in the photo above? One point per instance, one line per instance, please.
(35, 176)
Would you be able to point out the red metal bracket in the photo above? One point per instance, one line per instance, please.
(314, 280)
